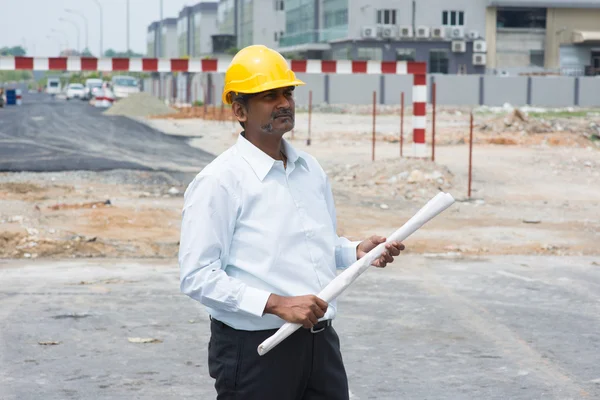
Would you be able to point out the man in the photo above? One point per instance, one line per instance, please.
(258, 241)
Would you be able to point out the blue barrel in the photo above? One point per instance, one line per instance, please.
(11, 97)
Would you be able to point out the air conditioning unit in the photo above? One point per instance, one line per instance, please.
(459, 46)
(406, 32)
(479, 46)
(438, 32)
(473, 35)
(423, 32)
(368, 32)
(388, 32)
(457, 32)
(479, 59)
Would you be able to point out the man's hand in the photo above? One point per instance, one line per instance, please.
(305, 310)
(392, 249)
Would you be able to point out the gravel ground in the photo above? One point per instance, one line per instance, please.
(518, 328)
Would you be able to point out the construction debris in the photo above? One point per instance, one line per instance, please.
(407, 178)
(94, 204)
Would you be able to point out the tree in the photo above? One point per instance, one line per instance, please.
(16, 51)
(122, 54)
(87, 53)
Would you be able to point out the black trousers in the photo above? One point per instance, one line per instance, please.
(305, 366)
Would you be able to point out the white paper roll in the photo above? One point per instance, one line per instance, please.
(434, 207)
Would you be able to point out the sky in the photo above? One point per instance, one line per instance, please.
(28, 23)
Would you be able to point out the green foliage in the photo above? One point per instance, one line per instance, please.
(87, 53)
(8, 76)
(122, 54)
(15, 51)
(559, 114)
(232, 51)
(198, 103)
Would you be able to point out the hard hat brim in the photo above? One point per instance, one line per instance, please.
(265, 87)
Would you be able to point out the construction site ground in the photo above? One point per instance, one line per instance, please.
(496, 298)
(538, 196)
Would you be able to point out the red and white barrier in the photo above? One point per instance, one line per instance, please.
(19, 97)
(76, 64)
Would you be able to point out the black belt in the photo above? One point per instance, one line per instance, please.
(319, 327)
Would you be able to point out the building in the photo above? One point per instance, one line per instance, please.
(152, 40)
(446, 34)
(560, 36)
(195, 27)
(162, 45)
(252, 21)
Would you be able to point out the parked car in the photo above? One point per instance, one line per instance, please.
(75, 91)
(103, 98)
(123, 85)
(92, 85)
(53, 86)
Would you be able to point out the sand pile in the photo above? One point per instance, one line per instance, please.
(139, 105)
(210, 113)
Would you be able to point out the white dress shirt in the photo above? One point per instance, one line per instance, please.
(251, 227)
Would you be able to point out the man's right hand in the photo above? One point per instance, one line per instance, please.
(304, 310)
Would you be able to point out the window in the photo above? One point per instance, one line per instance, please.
(453, 18)
(438, 61)
(521, 18)
(406, 54)
(341, 53)
(369, 53)
(536, 58)
(279, 5)
(386, 17)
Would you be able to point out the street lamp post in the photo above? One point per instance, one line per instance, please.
(101, 29)
(65, 35)
(127, 27)
(85, 20)
(76, 27)
(60, 45)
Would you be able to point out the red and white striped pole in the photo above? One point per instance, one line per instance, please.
(419, 114)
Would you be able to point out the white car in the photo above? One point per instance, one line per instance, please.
(75, 91)
(91, 86)
(53, 86)
(123, 85)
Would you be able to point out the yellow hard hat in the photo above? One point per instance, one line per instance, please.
(256, 69)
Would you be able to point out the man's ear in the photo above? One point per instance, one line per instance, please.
(239, 111)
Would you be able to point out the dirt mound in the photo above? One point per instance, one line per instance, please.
(408, 178)
(139, 105)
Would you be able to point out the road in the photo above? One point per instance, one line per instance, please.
(55, 135)
(506, 327)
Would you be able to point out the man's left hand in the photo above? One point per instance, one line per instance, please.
(392, 249)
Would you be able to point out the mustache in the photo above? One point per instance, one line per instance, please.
(283, 113)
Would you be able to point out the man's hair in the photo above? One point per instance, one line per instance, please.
(241, 98)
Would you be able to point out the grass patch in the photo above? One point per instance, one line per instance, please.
(562, 114)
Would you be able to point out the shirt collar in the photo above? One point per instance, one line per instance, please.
(260, 161)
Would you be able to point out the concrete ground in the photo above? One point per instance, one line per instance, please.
(426, 327)
(46, 134)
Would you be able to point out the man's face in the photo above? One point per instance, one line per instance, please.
(271, 112)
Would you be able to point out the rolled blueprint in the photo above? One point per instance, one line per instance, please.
(434, 207)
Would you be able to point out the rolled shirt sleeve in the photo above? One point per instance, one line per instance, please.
(208, 223)
(345, 249)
